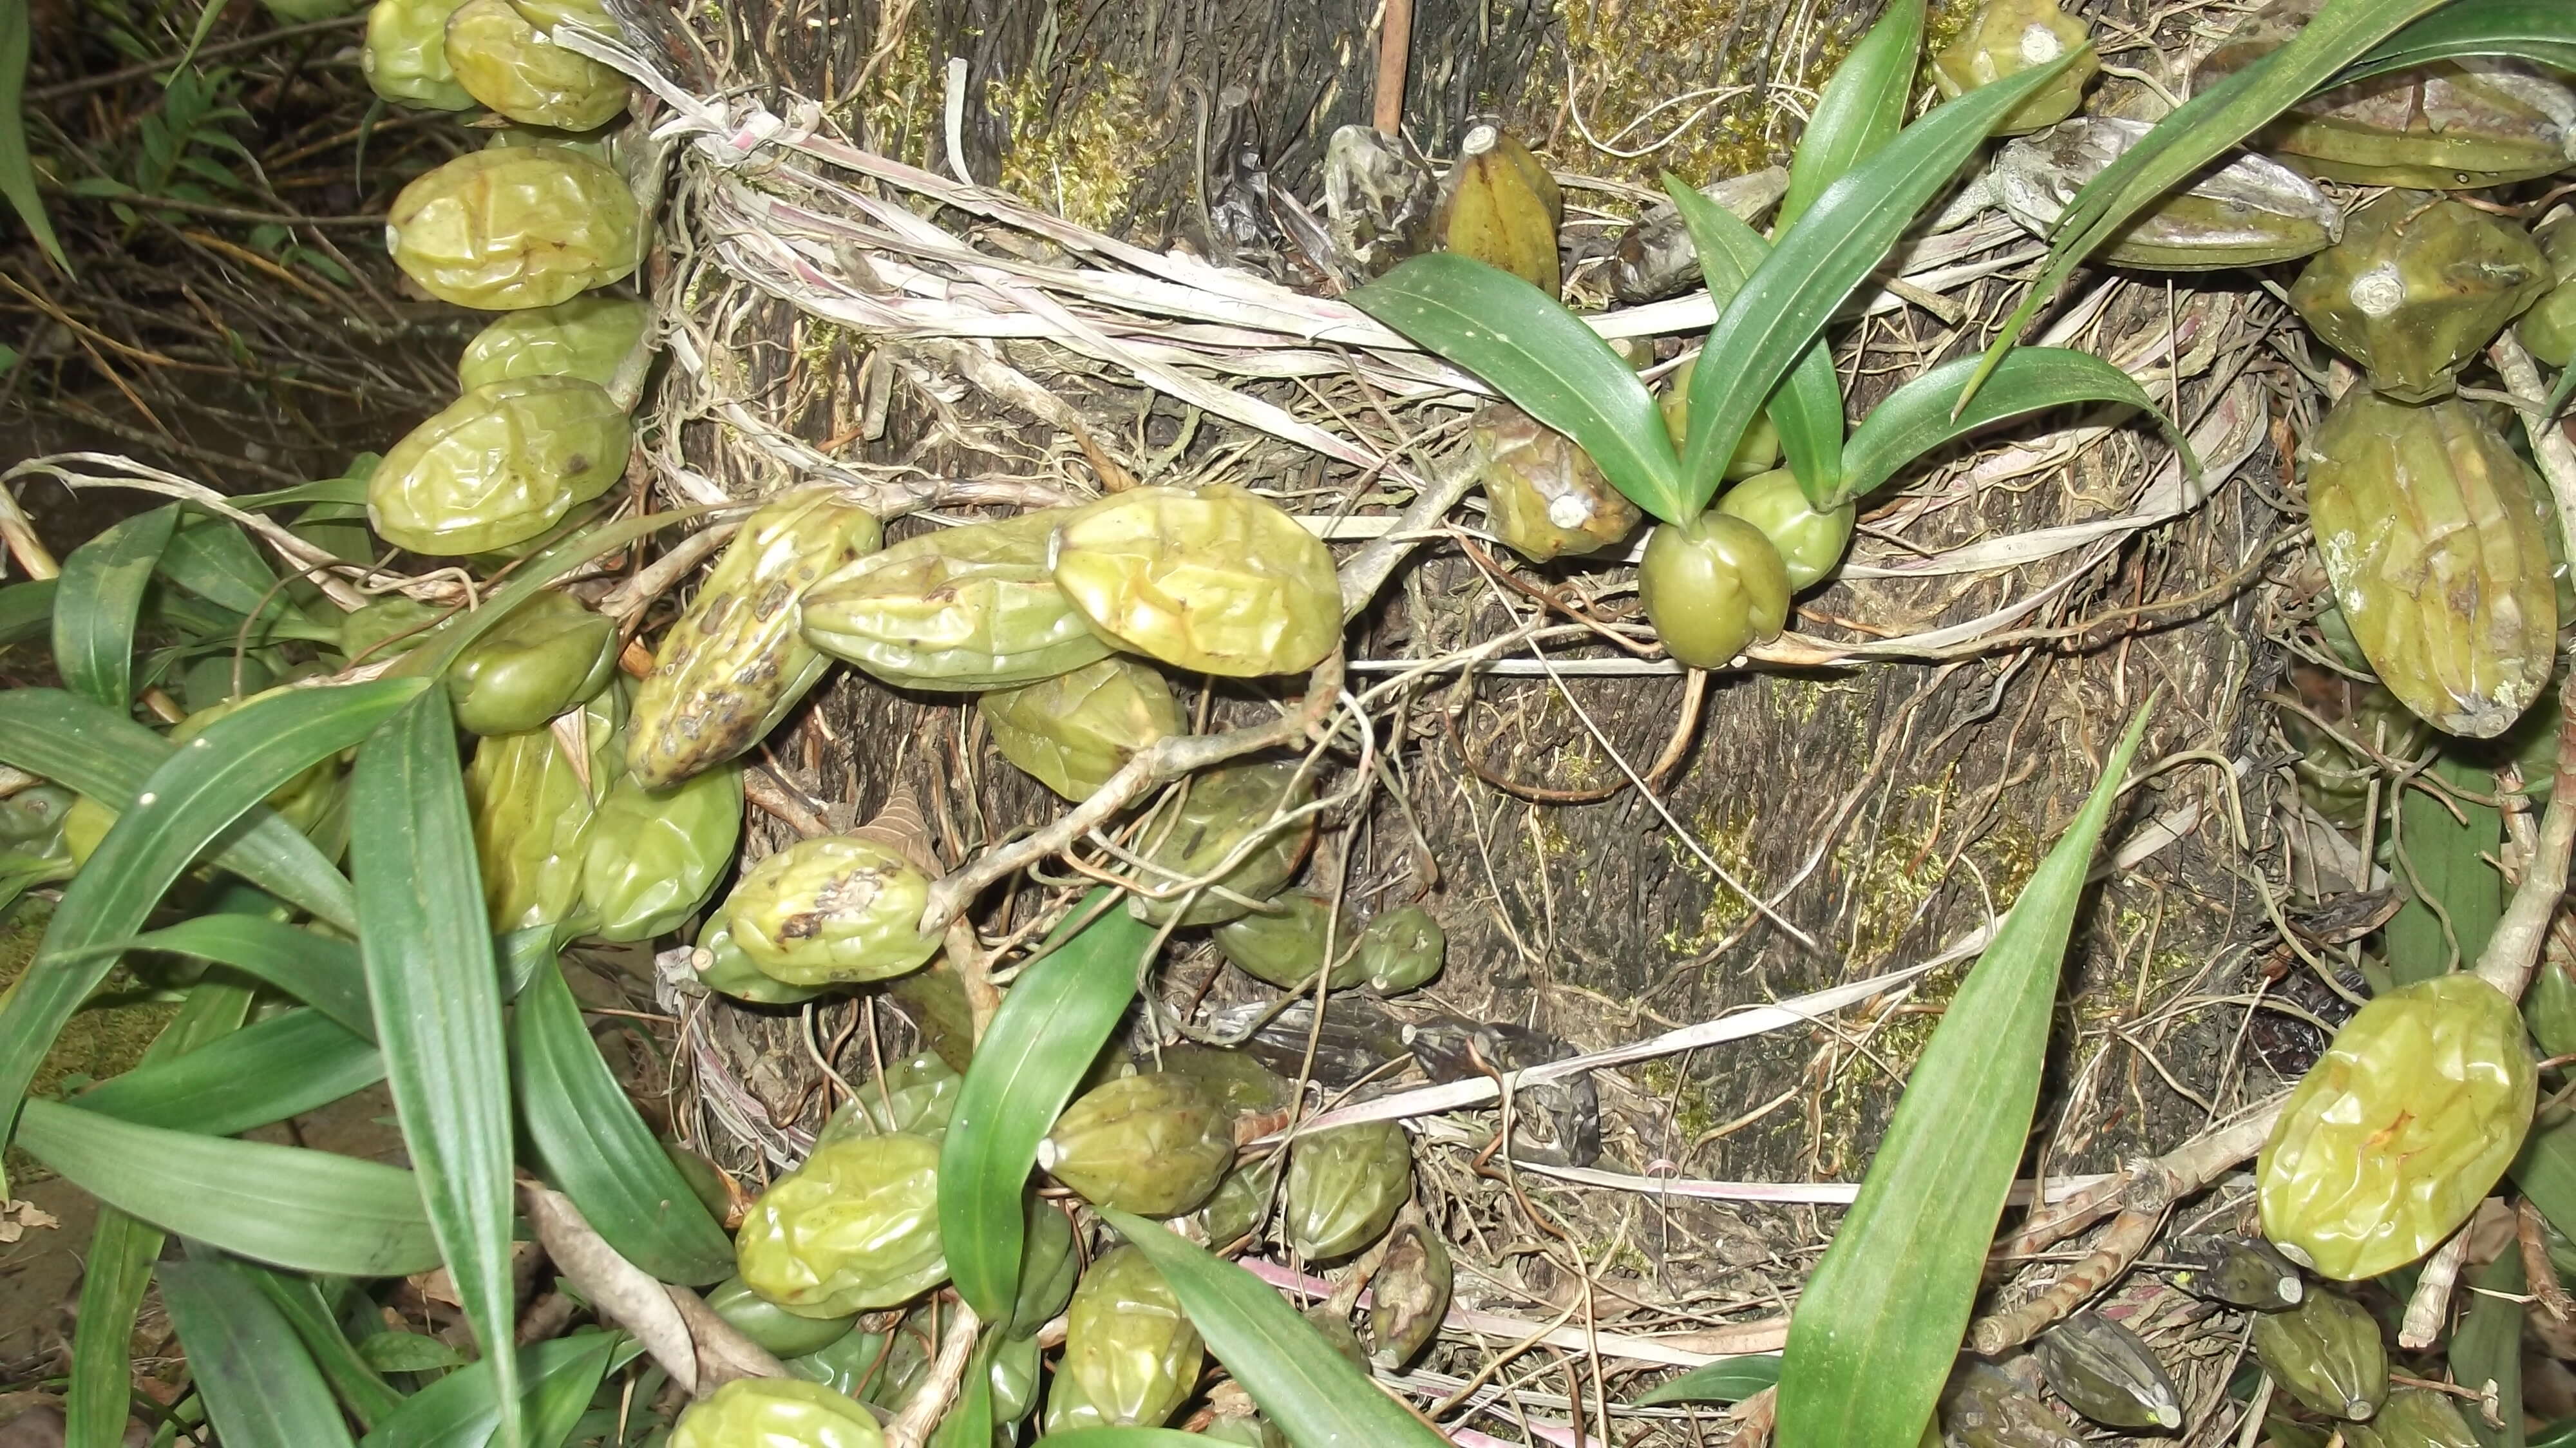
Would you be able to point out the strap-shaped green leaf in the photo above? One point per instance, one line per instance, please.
(291, 1063)
(210, 558)
(107, 756)
(318, 970)
(1808, 408)
(1861, 109)
(1049, 1030)
(309, 1210)
(1918, 417)
(598, 1152)
(1727, 1380)
(1878, 1326)
(96, 601)
(17, 168)
(191, 799)
(460, 1410)
(2454, 897)
(360, 1389)
(122, 1250)
(1299, 1380)
(260, 1385)
(1541, 358)
(2196, 133)
(2486, 1351)
(426, 939)
(2546, 1172)
(26, 610)
(1819, 262)
(2535, 30)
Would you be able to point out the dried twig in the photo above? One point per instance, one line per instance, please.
(911, 1427)
(2431, 1303)
(2118, 1247)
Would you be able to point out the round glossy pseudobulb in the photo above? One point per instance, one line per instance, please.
(498, 466)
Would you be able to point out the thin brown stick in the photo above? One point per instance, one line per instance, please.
(2177, 1174)
(1693, 693)
(2530, 1233)
(204, 53)
(2431, 1303)
(912, 1427)
(2119, 1246)
(1394, 48)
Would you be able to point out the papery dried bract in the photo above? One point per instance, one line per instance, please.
(2253, 211)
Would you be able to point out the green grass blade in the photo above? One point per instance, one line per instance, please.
(191, 799)
(108, 757)
(1541, 358)
(2197, 132)
(461, 1409)
(2445, 862)
(1818, 263)
(2535, 30)
(1808, 408)
(2546, 1172)
(307, 1210)
(1727, 1380)
(1861, 110)
(1300, 1382)
(359, 1387)
(316, 969)
(114, 1277)
(1878, 1326)
(2487, 1349)
(1048, 1031)
(261, 1387)
(598, 1152)
(97, 1400)
(97, 600)
(26, 609)
(427, 943)
(17, 168)
(1918, 417)
(293, 1062)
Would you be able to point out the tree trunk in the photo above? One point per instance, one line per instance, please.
(1803, 826)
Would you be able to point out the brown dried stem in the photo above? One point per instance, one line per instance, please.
(2119, 1246)
(1165, 760)
(912, 1427)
